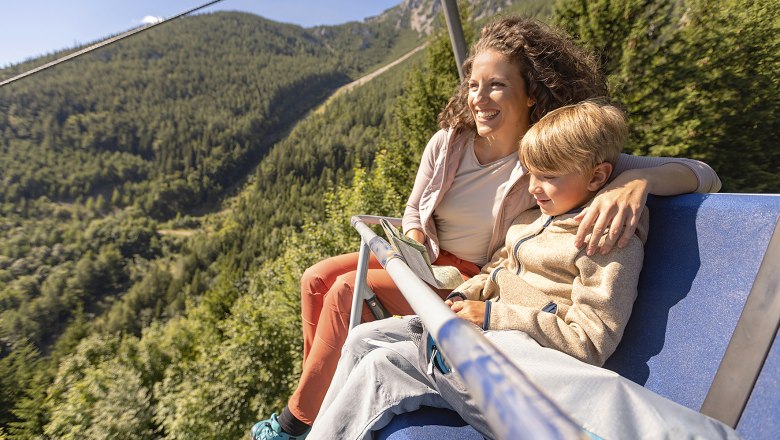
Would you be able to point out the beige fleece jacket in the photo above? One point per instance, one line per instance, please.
(540, 265)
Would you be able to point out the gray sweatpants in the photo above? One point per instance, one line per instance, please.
(381, 373)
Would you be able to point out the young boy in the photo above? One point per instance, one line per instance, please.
(539, 300)
(540, 282)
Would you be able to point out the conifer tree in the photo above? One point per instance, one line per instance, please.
(697, 81)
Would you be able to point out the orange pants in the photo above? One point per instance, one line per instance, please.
(326, 301)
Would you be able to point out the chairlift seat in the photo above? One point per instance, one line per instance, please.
(707, 256)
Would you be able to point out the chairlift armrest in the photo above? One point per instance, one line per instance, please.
(374, 219)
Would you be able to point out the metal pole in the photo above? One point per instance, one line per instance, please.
(456, 33)
(360, 285)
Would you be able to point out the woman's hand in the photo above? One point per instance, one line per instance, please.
(618, 206)
(416, 235)
(472, 311)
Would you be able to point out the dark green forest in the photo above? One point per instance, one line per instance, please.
(161, 197)
(152, 123)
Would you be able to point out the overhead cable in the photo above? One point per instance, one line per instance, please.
(103, 43)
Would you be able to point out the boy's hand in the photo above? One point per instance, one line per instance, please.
(472, 311)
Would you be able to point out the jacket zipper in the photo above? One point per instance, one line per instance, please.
(523, 240)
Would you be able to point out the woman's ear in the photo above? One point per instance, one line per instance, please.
(601, 173)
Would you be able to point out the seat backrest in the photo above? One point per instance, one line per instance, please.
(701, 258)
(760, 421)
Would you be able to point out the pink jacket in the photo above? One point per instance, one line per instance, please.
(437, 172)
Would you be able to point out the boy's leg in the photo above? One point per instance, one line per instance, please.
(362, 340)
(396, 304)
(376, 379)
(599, 400)
(603, 402)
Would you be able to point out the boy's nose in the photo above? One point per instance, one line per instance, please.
(533, 185)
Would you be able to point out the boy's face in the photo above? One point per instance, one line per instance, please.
(558, 194)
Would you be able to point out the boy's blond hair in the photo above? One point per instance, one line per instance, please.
(575, 138)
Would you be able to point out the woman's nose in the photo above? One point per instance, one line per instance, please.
(478, 94)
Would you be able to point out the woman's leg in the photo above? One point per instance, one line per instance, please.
(331, 332)
(327, 334)
(315, 283)
(393, 299)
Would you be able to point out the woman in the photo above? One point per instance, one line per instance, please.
(518, 71)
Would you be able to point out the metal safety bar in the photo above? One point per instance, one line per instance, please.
(513, 406)
(362, 291)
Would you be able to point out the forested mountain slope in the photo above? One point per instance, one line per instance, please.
(167, 120)
(95, 152)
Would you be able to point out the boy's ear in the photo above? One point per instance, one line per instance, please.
(601, 173)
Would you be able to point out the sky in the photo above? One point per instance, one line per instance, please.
(30, 28)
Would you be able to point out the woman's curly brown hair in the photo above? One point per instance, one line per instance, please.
(556, 71)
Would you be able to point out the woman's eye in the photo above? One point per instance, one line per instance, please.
(497, 84)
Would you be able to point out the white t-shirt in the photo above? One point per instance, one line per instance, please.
(466, 215)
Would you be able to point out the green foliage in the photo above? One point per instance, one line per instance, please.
(62, 260)
(17, 372)
(250, 362)
(171, 132)
(321, 151)
(697, 81)
(384, 189)
(530, 8)
(98, 394)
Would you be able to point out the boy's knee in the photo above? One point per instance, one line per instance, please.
(381, 360)
(369, 336)
(354, 345)
(359, 339)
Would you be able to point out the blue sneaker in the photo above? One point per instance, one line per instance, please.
(270, 429)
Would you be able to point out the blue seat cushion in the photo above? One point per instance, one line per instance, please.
(428, 423)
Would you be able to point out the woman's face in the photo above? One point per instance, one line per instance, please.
(497, 98)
